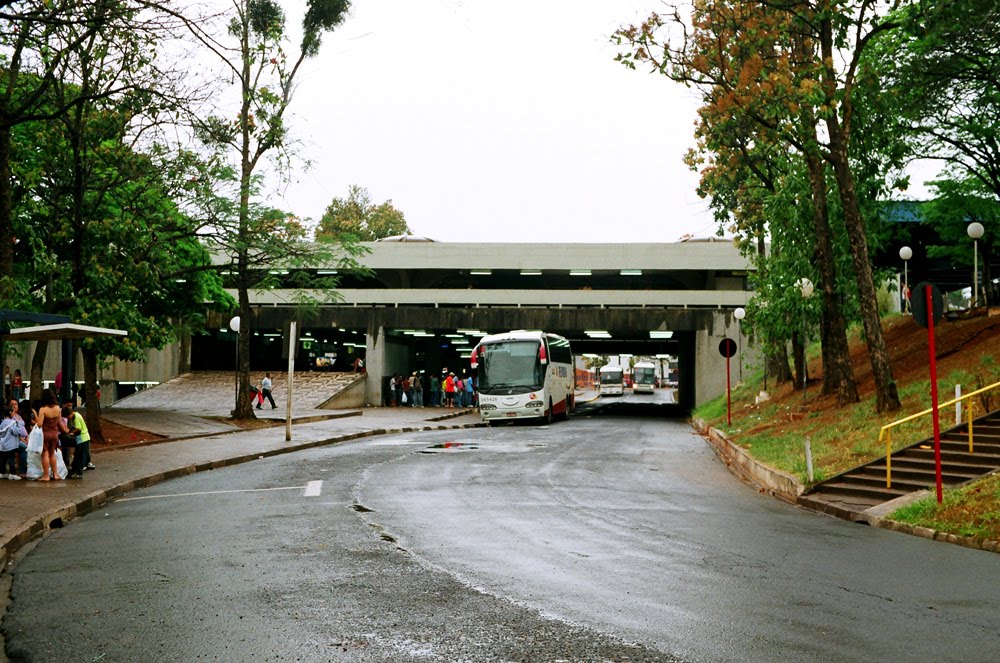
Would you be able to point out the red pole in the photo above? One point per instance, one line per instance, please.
(934, 394)
(729, 405)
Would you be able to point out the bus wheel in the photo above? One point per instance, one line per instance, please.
(549, 417)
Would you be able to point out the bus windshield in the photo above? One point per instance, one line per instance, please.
(611, 377)
(510, 365)
(644, 375)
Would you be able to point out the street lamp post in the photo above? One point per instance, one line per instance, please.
(805, 286)
(905, 254)
(234, 324)
(739, 314)
(975, 231)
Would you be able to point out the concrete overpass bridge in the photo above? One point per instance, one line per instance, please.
(426, 303)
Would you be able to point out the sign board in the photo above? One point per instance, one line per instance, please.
(727, 347)
(918, 304)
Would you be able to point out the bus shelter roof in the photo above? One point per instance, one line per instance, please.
(58, 332)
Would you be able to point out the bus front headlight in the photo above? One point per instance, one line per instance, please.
(535, 404)
(487, 406)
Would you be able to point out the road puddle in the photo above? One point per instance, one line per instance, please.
(449, 446)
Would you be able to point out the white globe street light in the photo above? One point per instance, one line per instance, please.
(975, 231)
(234, 324)
(739, 314)
(805, 286)
(905, 254)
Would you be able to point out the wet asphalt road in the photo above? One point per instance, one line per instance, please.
(518, 543)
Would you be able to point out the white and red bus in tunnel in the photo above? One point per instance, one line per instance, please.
(612, 380)
(524, 375)
(643, 377)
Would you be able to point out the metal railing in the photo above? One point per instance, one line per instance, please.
(886, 430)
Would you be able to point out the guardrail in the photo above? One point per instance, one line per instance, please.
(886, 431)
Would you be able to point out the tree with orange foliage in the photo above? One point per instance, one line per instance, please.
(771, 66)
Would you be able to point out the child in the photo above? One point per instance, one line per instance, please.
(11, 432)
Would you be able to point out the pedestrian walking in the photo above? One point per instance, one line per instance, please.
(265, 390)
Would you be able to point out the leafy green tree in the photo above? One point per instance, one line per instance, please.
(946, 81)
(108, 245)
(360, 218)
(253, 235)
(37, 37)
(956, 204)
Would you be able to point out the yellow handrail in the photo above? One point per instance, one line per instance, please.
(886, 431)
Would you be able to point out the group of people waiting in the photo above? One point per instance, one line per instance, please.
(13, 384)
(62, 430)
(418, 389)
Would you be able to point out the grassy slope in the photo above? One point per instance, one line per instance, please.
(843, 437)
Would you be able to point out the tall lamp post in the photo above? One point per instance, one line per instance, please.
(975, 231)
(234, 324)
(805, 286)
(739, 314)
(905, 254)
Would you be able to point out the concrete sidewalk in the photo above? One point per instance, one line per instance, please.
(29, 508)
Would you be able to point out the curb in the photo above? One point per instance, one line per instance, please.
(58, 517)
(785, 487)
(766, 479)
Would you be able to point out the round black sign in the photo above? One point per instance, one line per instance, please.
(727, 347)
(918, 303)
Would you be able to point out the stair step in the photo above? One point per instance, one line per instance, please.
(925, 475)
(979, 459)
(842, 488)
(928, 464)
(977, 436)
(869, 481)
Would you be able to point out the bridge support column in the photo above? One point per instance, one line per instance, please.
(710, 365)
(374, 363)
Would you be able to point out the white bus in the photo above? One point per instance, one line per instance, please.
(612, 381)
(524, 374)
(643, 377)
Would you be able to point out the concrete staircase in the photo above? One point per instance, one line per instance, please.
(849, 494)
(211, 393)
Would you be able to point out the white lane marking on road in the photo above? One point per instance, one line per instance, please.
(313, 489)
(208, 492)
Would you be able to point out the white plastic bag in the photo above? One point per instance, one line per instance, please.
(404, 396)
(60, 468)
(36, 440)
(34, 465)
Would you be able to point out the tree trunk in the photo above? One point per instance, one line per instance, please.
(37, 366)
(886, 396)
(838, 376)
(6, 220)
(797, 359)
(92, 413)
(243, 409)
(184, 360)
(777, 362)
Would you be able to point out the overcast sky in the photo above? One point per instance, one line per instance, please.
(497, 121)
